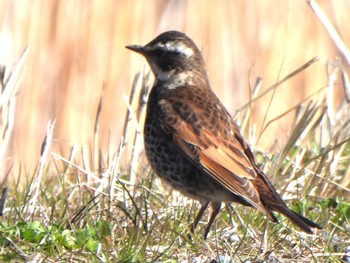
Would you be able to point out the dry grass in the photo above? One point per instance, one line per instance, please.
(89, 181)
(76, 56)
(81, 213)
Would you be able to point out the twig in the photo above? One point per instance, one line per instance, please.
(137, 144)
(44, 152)
(97, 163)
(8, 90)
(330, 29)
(295, 72)
(344, 79)
(269, 104)
(2, 200)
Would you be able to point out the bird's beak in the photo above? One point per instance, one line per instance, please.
(137, 49)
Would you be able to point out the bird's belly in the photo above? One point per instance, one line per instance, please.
(170, 164)
(166, 160)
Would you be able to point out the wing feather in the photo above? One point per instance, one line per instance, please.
(222, 157)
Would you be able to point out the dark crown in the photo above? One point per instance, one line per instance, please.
(172, 50)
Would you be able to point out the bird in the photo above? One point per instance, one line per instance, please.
(192, 142)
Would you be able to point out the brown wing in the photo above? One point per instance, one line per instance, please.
(205, 132)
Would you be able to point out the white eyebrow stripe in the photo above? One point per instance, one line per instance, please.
(177, 47)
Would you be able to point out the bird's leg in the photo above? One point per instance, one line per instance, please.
(204, 205)
(214, 210)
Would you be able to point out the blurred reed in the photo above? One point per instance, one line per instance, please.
(76, 56)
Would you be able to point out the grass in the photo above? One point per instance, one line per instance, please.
(73, 222)
(101, 212)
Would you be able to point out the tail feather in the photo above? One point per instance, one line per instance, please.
(273, 201)
(307, 221)
(302, 222)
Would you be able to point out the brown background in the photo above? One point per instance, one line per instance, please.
(76, 55)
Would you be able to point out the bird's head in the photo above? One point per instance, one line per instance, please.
(170, 54)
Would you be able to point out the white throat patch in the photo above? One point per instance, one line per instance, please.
(172, 81)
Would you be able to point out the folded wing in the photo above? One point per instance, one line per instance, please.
(216, 150)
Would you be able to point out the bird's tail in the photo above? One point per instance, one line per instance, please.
(274, 202)
(302, 222)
